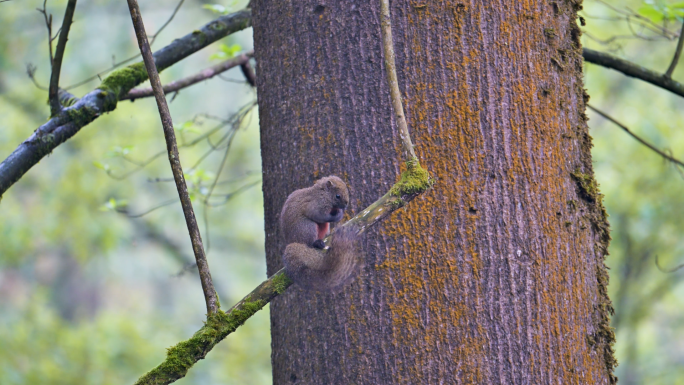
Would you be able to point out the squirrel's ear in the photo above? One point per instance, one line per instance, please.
(329, 184)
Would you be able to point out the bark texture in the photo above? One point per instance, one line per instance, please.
(496, 275)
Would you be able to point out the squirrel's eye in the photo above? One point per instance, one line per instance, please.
(337, 196)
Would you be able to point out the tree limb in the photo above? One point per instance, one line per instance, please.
(653, 148)
(678, 52)
(205, 74)
(55, 106)
(104, 99)
(634, 70)
(210, 296)
(391, 71)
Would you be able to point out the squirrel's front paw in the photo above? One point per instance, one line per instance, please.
(319, 244)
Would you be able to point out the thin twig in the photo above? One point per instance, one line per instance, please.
(667, 271)
(48, 25)
(634, 70)
(31, 72)
(391, 70)
(678, 52)
(142, 214)
(640, 140)
(205, 74)
(174, 159)
(168, 21)
(644, 20)
(55, 106)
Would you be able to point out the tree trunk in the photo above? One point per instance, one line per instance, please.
(496, 275)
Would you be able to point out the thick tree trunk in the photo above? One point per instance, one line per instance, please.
(496, 275)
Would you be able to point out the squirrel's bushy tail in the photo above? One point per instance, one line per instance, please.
(324, 270)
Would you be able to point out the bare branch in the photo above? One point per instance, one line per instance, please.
(634, 70)
(174, 159)
(678, 52)
(644, 21)
(667, 157)
(168, 21)
(55, 106)
(205, 74)
(31, 72)
(48, 25)
(142, 214)
(104, 99)
(391, 70)
(667, 271)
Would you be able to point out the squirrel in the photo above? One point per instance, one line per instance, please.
(305, 220)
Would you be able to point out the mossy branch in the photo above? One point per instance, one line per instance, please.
(184, 355)
(104, 99)
(181, 357)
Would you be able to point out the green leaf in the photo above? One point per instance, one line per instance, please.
(112, 204)
(226, 52)
(216, 8)
(101, 166)
(188, 126)
(656, 15)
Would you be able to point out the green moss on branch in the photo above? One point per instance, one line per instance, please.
(413, 181)
(121, 81)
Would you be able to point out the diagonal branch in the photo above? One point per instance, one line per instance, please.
(174, 159)
(55, 106)
(667, 271)
(678, 52)
(653, 148)
(104, 99)
(205, 74)
(634, 70)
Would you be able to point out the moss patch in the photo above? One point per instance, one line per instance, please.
(588, 186)
(123, 80)
(81, 116)
(414, 180)
(280, 282)
(603, 338)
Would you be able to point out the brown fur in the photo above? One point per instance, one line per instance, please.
(304, 220)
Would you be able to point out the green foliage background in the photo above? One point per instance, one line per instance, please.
(88, 297)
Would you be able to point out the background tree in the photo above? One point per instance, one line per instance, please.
(58, 291)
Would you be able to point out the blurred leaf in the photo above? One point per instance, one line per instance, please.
(112, 204)
(216, 8)
(226, 52)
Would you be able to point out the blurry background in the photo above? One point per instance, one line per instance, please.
(91, 295)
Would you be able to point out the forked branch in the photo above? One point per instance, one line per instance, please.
(53, 91)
